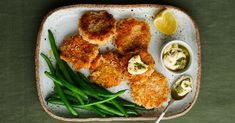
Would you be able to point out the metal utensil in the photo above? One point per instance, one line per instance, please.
(164, 111)
(174, 97)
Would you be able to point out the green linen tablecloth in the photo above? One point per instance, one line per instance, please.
(19, 23)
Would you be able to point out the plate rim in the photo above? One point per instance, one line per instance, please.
(140, 118)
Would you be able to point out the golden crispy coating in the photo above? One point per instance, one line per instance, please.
(106, 70)
(78, 52)
(97, 27)
(145, 57)
(131, 35)
(152, 92)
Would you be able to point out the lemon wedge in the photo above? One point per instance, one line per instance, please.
(165, 22)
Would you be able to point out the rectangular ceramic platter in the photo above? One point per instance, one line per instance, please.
(63, 21)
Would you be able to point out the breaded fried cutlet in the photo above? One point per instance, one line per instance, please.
(97, 27)
(131, 35)
(106, 70)
(145, 57)
(78, 52)
(152, 92)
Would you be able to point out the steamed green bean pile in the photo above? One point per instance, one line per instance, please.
(75, 91)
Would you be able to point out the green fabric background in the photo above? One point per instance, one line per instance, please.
(19, 23)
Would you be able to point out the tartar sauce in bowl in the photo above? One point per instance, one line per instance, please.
(175, 56)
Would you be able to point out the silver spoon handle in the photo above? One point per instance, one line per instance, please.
(164, 111)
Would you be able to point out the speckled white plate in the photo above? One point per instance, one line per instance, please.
(63, 21)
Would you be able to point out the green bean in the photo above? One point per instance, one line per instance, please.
(48, 61)
(65, 101)
(103, 101)
(88, 90)
(72, 86)
(124, 103)
(113, 101)
(59, 80)
(57, 57)
(109, 109)
(58, 88)
(129, 110)
(119, 107)
(62, 96)
(91, 94)
(105, 93)
(132, 112)
(101, 91)
(130, 104)
(106, 100)
(70, 98)
(75, 95)
(83, 77)
(127, 105)
(105, 112)
(59, 102)
(103, 108)
(136, 107)
(55, 98)
(94, 110)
